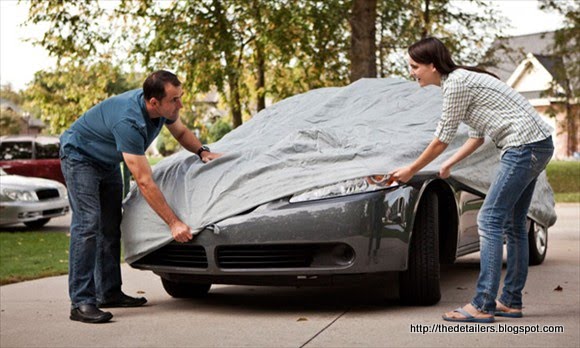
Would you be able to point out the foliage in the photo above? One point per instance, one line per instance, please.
(465, 33)
(564, 176)
(249, 49)
(9, 94)
(166, 143)
(565, 86)
(9, 122)
(67, 92)
(32, 255)
(217, 130)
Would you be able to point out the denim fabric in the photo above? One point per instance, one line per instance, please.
(504, 211)
(95, 196)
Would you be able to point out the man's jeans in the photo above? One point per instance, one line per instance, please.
(504, 210)
(95, 196)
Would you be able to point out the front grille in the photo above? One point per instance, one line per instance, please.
(177, 255)
(53, 211)
(266, 256)
(47, 194)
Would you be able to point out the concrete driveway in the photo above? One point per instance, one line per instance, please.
(35, 313)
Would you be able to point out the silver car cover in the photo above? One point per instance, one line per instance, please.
(309, 140)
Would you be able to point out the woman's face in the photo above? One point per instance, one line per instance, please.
(425, 74)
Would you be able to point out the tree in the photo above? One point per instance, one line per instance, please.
(67, 92)
(363, 48)
(464, 32)
(566, 49)
(9, 122)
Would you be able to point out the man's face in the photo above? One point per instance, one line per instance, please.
(425, 74)
(170, 105)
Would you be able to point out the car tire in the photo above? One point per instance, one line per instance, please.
(185, 290)
(538, 243)
(37, 223)
(420, 284)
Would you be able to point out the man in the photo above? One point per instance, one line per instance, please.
(117, 129)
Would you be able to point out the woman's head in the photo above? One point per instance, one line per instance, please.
(429, 59)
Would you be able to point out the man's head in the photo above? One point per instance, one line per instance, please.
(162, 92)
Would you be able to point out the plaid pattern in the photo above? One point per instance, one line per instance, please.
(489, 107)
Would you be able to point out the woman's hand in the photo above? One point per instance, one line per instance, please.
(445, 170)
(402, 175)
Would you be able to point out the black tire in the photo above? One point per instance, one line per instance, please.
(37, 223)
(420, 284)
(538, 243)
(185, 290)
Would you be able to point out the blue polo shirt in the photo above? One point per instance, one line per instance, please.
(116, 125)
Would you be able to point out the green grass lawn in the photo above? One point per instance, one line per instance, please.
(31, 255)
(564, 177)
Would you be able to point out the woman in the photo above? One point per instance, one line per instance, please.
(489, 107)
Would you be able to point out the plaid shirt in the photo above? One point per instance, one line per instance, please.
(489, 107)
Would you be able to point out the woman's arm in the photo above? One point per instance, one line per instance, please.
(465, 150)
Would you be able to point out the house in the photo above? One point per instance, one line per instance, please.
(527, 64)
(28, 124)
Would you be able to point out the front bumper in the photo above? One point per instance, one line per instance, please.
(17, 212)
(284, 243)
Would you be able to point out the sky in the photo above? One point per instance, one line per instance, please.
(19, 60)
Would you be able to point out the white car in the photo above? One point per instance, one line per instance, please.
(32, 201)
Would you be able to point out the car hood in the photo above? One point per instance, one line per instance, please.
(27, 183)
(313, 139)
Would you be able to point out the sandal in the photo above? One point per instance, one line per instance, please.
(468, 318)
(507, 312)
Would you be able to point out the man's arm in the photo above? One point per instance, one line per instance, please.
(141, 172)
(189, 141)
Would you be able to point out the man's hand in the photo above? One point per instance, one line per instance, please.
(181, 232)
(207, 156)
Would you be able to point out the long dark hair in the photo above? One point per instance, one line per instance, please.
(431, 50)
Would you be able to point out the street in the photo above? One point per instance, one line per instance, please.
(35, 313)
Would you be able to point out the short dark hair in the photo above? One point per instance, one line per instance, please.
(154, 85)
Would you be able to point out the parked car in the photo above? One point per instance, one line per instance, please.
(29, 155)
(32, 201)
(296, 199)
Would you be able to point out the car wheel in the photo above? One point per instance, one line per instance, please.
(185, 290)
(419, 285)
(37, 223)
(538, 243)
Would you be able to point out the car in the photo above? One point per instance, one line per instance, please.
(32, 201)
(31, 155)
(300, 198)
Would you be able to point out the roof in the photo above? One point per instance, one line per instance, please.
(508, 52)
(44, 139)
(6, 104)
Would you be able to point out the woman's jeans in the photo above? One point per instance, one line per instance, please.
(504, 211)
(95, 196)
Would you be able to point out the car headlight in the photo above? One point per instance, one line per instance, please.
(20, 195)
(62, 192)
(345, 188)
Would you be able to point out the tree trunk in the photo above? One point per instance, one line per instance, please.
(235, 104)
(363, 46)
(426, 20)
(261, 78)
